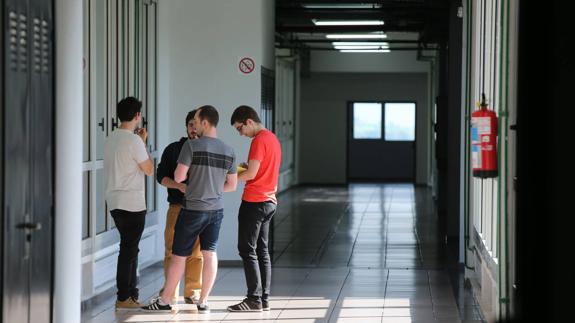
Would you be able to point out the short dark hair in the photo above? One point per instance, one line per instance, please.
(243, 113)
(190, 116)
(209, 113)
(127, 108)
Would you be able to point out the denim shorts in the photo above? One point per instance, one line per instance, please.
(190, 225)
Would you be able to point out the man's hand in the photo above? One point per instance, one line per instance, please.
(182, 187)
(143, 133)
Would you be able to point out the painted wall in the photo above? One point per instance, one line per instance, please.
(323, 118)
(201, 43)
(392, 62)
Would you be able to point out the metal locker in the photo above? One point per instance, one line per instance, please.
(28, 125)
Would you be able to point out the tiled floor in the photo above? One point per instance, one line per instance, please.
(362, 253)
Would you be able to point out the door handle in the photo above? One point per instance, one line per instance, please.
(101, 124)
(29, 226)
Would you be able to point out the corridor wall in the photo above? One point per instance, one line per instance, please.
(200, 45)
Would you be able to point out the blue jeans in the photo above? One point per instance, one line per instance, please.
(190, 225)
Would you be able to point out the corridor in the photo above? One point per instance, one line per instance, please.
(357, 253)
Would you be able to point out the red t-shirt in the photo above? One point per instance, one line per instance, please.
(266, 149)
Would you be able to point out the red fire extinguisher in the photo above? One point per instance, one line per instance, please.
(484, 141)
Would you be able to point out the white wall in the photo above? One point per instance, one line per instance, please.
(201, 43)
(392, 62)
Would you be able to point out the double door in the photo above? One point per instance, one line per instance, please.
(381, 141)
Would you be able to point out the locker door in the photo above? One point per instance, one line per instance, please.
(16, 188)
(27, 188)
(41, 159)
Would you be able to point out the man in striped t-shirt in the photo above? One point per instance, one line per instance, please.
(209, 165)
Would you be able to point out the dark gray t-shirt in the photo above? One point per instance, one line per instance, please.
(210, 161)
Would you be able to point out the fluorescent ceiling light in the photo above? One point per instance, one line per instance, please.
(343, 6)
(365, 51)
(356, 36)
(357, 47)
(353, 43)
(361, 47)
(347, 22)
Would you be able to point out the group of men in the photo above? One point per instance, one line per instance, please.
(196, 170)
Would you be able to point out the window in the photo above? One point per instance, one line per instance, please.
(268, 98)
(120, 43)
(100, 202)
(367, 121)
(86, 206)
(400, 121)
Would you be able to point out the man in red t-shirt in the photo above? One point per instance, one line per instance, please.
(259, 204)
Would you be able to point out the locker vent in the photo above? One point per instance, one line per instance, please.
(41, 46)
(18, 34)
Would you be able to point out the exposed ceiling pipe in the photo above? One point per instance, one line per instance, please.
(350, 29)
(391, 41)
(381, 4)
(333, 49)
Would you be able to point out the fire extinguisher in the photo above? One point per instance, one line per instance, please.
(484, 141)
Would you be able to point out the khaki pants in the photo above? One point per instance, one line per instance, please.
(194, 263)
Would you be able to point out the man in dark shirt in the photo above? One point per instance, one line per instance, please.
(165, 176)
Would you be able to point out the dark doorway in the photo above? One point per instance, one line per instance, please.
(381, 141)
(27, 160)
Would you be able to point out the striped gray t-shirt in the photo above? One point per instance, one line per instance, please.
(210, 161)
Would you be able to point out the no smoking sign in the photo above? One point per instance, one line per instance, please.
(246, 65)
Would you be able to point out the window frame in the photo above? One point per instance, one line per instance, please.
(121, 72)
(384, 127)
(383, 103)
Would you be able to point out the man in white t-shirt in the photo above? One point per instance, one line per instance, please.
(126, 164)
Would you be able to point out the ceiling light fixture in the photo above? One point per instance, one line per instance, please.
(359, 43)
(357, 47)
(356, 36)
(365, 51)
(343, 6)
(347, 22)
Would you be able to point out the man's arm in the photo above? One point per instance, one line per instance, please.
(253, 168)
(170, 183)
(231, 183)
(181, 173)
(147, 166)
(166, 169)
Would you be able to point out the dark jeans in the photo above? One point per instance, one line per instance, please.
(253, 229)
(130, 225)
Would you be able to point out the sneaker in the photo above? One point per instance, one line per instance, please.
(247, 305)
(174, 299)
(265, 306)
(192, 300)
(203, 308)
(130, 304)
(155, 306)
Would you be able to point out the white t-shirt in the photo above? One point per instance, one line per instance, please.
(125, 180)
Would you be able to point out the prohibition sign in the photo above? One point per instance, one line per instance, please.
(247, 65)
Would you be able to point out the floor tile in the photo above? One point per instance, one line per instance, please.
(361, 253)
